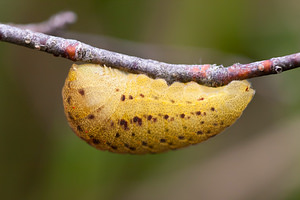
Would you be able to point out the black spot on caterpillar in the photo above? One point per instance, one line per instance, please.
(128, 113)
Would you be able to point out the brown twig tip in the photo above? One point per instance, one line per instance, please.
(54, 23)
(209, 74)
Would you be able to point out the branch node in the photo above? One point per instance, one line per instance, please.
(278, 69)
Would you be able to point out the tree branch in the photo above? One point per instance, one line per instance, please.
(208, 74)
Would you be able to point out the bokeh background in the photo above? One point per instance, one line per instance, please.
(257, 158)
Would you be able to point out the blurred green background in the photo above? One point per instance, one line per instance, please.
(257, 158)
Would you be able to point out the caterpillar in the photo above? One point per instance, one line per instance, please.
(129, 113)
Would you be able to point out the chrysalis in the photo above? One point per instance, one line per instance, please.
(129, 113)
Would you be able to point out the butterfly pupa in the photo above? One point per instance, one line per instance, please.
(129, 113)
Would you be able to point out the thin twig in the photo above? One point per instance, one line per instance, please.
(56, 22)
(208, 74)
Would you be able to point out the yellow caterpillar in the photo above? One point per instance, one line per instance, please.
(128, 113)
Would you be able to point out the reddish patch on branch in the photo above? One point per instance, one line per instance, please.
(199, 71)
(195, 69)
(203, 70)
(244, 72)
(71, 50)
(267, 65)
(239, 72)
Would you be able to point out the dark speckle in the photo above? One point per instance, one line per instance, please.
(170, 143)
(124, 123)
(172, 101)
(126, 145)
(114, 147)
(132, 134)
(142, 95)
(96, 141)
(144, 143)
(112, 124)
(91, 116)
(182, 115)
(181, 137)
(135, 119)
(123, 97)
(149, 117)
(199, 132)
(70, 116)
(117, 135)
(200, 99)
(215, 124)
(79, 128)
(184, 127)
(208, 132)
(198, 113)
(81, 91)
(188, 102)
(154, 119)
(163, 140)
(212, 109)
(132, 148)
(117, 90)
(130, 97)
(69, 100)
(202, 122)
(166, 116)
(138, 120)
(172, 119)
(149, 132)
